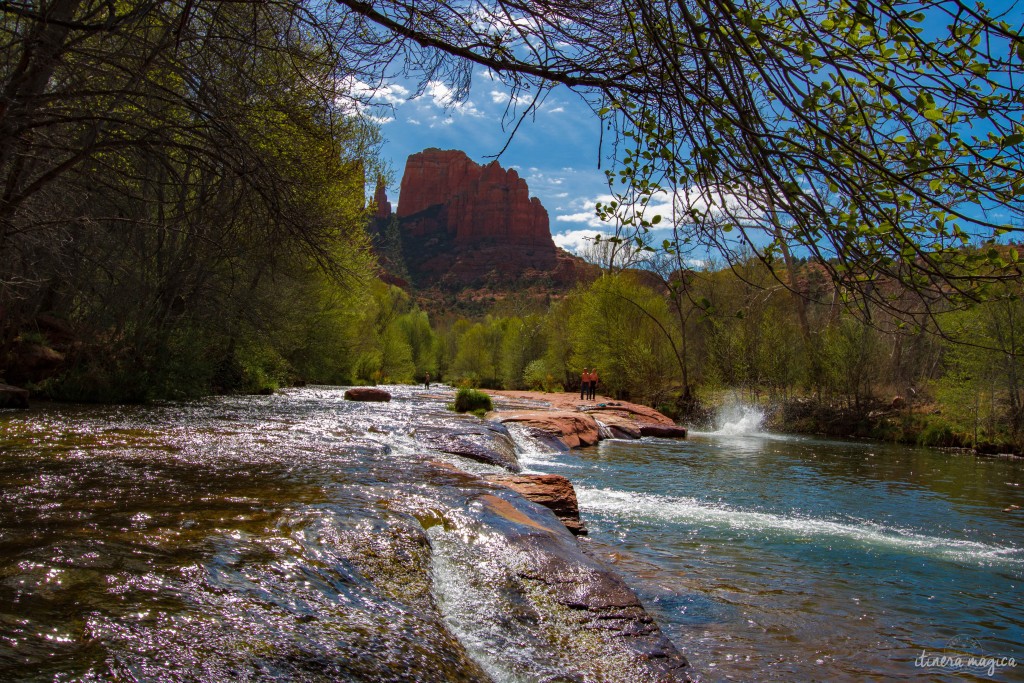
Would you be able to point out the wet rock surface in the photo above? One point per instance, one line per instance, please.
(553, 491)
(574, 429)
(372, 394)
(294, 537)
(663, 431)
(488, 443)
(579, 423)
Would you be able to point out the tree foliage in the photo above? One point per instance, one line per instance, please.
(880, 137)
(176, 177)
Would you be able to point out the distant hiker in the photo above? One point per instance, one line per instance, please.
(593, 384)
(584, 383)
(426, 380)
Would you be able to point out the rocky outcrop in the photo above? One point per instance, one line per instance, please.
(30, 363)
(13, 397)
(579, 423)
(367, 394)
(553, 491)
(466, 224)
(574, 429)
(486, 443)
(380, 200)
(479, 202)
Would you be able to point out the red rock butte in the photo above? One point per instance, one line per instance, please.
(462, 224)
(477, 202)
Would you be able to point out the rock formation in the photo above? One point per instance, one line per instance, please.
(479, 202)
(553, 491)
(465, 224)
(367, 394)
(380, 198)
(13, 397)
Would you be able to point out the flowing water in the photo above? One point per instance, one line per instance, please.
(295, 537)
(304, 537)
(770, 557)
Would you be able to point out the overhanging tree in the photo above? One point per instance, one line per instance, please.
(879, 137)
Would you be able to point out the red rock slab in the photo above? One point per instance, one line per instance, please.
(602, 406)
(574, 429)
(633, 411)
(367, 394)
(553, 491)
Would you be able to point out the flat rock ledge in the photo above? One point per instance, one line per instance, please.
(488, 443)
(577, 423)
(367, 394)
(553, 491)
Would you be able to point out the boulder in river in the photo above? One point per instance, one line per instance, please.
(486, 442)
(13, 397)
(553, 491)
(367, 394)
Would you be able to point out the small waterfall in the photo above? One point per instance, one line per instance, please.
(740, 421)
(603, 431)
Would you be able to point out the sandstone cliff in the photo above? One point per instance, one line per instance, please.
(463, 224)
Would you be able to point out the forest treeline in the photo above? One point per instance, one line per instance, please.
(682, 344)
(182, 211)
(182, 197)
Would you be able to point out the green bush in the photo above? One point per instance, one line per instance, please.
(470, 401)
(939, 434)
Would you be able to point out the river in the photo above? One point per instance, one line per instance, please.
(304, 537)
(788, 558)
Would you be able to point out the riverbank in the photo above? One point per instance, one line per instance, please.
(894, 421)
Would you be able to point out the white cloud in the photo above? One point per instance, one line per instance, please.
(499, 97)
(576, 241)
(444, 97)
(713, 203)
(586, 213)
(359, 98)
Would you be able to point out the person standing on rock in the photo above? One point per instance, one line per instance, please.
(593, 384)
(584, 384)
(426, 380)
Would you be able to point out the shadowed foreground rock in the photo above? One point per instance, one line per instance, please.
(367, 394)
(13, 397)
(548, 591)
(553, 491)
(663, 431)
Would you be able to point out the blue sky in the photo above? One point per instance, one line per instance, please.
(556, 150)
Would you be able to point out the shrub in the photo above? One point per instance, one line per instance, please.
(938, 434)
(470, 400)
